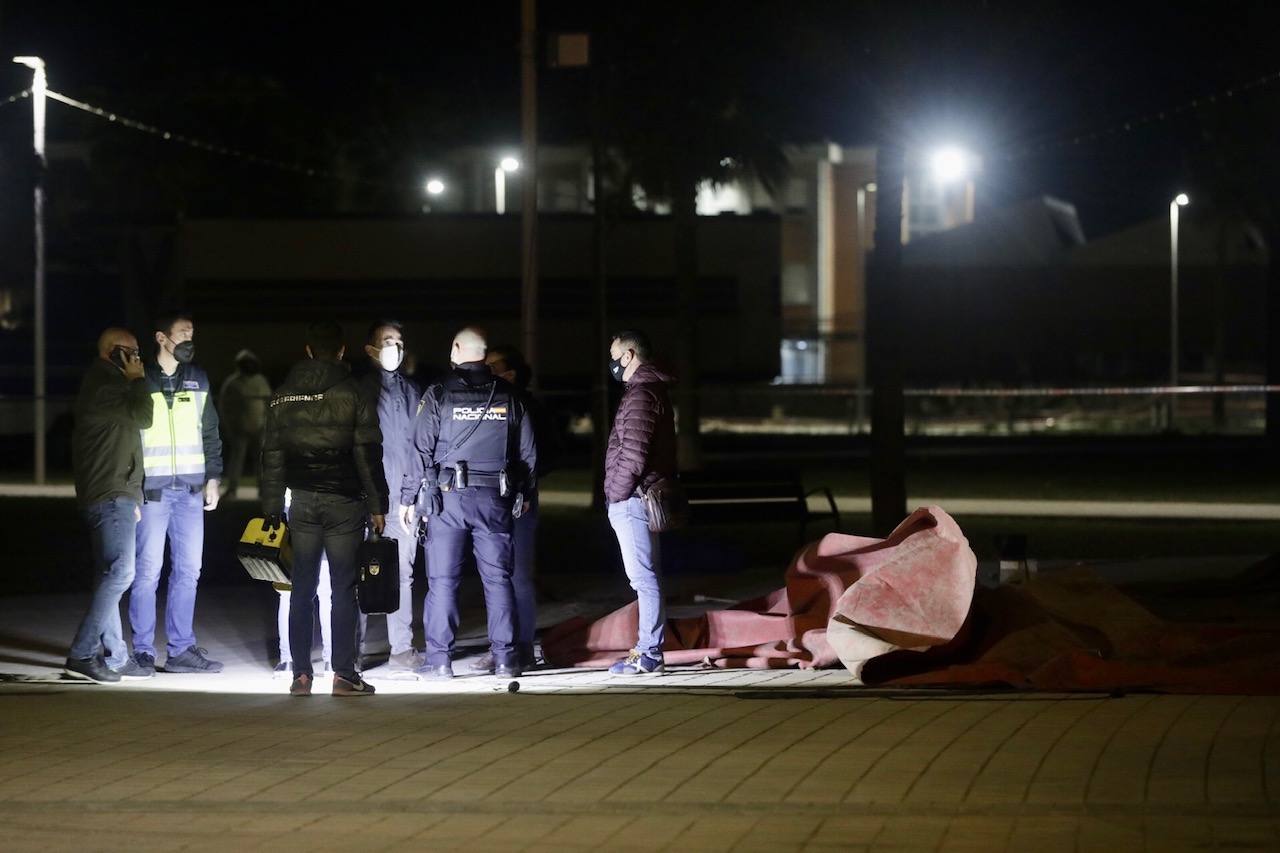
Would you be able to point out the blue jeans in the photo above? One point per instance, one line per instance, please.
(322, 524)
(643, 563)
(111, 534)
(179, 516)
(481, 515)
(525, 540)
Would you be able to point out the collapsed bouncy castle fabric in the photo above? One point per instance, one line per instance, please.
(846, 597)
(1072, 631)
(915, 597)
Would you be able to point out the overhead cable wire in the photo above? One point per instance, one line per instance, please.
(1137, 122)
(211, 147)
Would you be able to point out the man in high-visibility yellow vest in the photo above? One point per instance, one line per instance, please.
(182, 464)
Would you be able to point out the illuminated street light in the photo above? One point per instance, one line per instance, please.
(506, 164)
(435, 186)
(950, 164)
(1180, 200)
(39, 94)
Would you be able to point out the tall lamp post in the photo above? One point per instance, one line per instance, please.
(505, 165)
(1180, 200)
(39, 90)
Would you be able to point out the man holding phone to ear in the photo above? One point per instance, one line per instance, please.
(111, 410)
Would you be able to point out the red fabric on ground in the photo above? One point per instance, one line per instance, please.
(1073, 631)
(788, 627)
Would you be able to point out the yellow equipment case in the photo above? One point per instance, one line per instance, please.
(265, 553)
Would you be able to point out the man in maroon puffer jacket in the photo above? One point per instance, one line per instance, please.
(642, 450)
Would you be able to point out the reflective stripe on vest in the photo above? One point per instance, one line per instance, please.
(174, 443)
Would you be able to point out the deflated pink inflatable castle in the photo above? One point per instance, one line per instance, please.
(846, 599)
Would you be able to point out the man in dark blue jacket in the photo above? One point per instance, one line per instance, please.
(395, 399)
(509, 363)
(182, 461)
(473, 471)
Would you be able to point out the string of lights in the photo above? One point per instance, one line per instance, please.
(18, 96)
(1140, 121)
(203, 145)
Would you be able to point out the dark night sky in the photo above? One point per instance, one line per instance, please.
(997, 75)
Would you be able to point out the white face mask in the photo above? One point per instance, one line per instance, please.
(390, 356)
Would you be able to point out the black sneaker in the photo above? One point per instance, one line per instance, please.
(91, 669)
(140, 665)
(192, 660)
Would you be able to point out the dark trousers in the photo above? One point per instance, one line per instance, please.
(483, 517)
(333, 525)
(523, 569)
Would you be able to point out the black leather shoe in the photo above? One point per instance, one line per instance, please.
(507, 670)
(444, 670)
(94, 669)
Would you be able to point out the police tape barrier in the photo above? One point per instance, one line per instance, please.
(799, 389)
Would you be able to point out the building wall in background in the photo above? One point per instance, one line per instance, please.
(258, 283)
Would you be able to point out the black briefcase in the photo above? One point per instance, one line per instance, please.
(378, 587)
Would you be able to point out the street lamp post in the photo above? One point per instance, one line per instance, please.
(1180, 200)
(39, 90)
(505, 165)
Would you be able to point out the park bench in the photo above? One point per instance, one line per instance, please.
(719, 497)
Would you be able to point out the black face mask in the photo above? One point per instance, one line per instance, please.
(184, 352)
(616, 369)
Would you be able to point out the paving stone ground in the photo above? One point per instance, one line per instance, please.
(694, 760)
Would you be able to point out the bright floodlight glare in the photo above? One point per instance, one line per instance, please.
(949, 164)
(509, 164)
(1181, 200)
(435, 186)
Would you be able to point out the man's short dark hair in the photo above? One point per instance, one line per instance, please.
(382, 324)
(324, 339)
(636, 340)
(514, 360)
(166, 320)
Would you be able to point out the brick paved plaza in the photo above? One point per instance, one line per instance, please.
(694, 760)
(646, 769)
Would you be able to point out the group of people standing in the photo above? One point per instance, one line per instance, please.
(461, 461)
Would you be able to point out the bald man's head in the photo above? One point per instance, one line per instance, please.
(468, 346)
(115, 337)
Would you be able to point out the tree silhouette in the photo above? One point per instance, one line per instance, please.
(678, 115)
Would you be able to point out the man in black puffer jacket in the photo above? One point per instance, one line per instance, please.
(323, 443)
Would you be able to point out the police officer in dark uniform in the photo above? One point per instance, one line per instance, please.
(473, 475)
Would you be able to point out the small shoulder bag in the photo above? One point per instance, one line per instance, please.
(666, 506)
